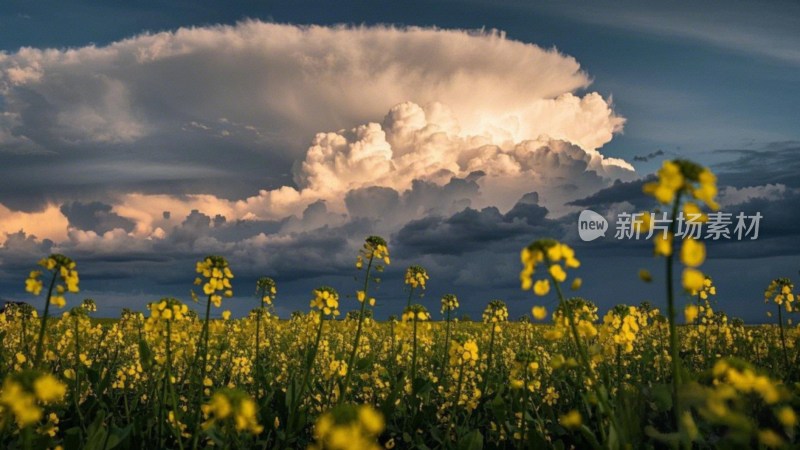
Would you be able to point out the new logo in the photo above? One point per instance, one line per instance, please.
(591, 225)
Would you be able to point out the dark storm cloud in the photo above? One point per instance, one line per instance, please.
(157, 164)
(620, 191)
(778, 162)
(20, 249)
(94, 216)
(779, 229)
(423, 199)
(649, 156)
(475, 230)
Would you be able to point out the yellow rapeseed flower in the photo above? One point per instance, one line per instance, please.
(48, 389)
(690, 312)
(693, 279)
(557, 273)
(693, 252)
(571, 420)
(541, 287)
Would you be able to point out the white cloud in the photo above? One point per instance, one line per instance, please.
(730, 195)
(46, 224)
(458, 101)
(297, 80)
(412, 143)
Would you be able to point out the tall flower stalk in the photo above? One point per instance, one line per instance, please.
(780, 292)
(163, 315)
(326, 302)
(415, 314)
(215, 277)
(677, 180)
(64, 278)
(449, 304)
(416, 277)
(495, 313)
(266, 290)
(556, 257)
(376, 253)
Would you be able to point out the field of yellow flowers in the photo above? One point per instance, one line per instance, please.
(574, 377)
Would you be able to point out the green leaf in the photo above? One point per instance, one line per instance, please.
(145, 355)
(662, 397)
(471, 441)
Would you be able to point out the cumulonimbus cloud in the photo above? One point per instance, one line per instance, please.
(458, 101)
(298, 80)
(411, 143)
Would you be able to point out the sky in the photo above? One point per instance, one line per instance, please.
(138, 137)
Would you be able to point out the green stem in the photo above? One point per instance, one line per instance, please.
(351, 360)
(164, 389)
(488, 359)
(309, 365)
(783, 339)
(445, 357)
(414, 354)
(524, 406)
(201, 388)
(673, 332)
(40, 344)
(171, 388)
(77, 390)
(392, 355)
(619, 370)
(26, 350)
(258, 348)
(584, 355)
(459, 385)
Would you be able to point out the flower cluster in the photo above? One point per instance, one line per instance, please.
(780, 292)
(266, 289)
(676, 178)
(89, 305)
(745, 380)
(416, 313)
(746, 405)
(326, 300)
(621, 325)
(375, 247)
(24, 393)
(584, 314)
(703, 307)
(552, 254)
(681, 176)
(168, 309)
(231, 408)
(525, 366)
(706, 291)
(464, 353)
(449, 303)
(496, 312)
(348, 427)
(464, 360)
(217, 275)
(63, 268)
(416, 276)
(336, 368)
